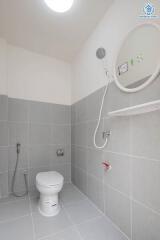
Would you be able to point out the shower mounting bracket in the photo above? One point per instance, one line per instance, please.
(106, 134)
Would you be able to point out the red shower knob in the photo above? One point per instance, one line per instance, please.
(106, 165)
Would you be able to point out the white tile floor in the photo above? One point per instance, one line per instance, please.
(79, 219)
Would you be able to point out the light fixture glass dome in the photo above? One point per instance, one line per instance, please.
(59, 5)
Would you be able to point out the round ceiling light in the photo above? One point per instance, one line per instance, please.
(59, 5)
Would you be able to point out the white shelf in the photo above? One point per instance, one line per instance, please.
(136, 110)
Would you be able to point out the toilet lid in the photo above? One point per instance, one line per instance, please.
(49, 178)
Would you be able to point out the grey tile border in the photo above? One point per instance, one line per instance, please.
(3, 133)
(18, 110)
(18, 133)
(3, 108)
(3, 159)
(40, 112)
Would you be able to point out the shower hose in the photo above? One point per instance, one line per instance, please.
(100, 116)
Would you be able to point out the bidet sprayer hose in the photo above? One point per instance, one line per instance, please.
(18, 146)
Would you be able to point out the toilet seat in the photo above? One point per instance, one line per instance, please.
(49, 179)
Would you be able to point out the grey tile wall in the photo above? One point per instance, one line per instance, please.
(3, 108)
(3, 146)
(129, 194)
(41, 128)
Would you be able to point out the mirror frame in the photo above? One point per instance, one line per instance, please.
(154, 75)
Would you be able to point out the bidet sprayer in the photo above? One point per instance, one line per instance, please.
(18, 148)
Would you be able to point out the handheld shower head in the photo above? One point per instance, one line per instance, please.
(101, 53)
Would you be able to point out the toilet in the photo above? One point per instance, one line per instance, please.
(49, 184)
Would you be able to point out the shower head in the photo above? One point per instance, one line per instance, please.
(101, 53)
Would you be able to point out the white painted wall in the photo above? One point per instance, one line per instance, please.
(3, 67)
(27, 75)
(37, 77)
(88, 74)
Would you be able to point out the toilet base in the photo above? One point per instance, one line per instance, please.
(53, 213)
(48, 206)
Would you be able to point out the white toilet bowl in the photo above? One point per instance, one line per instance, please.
(49, 184)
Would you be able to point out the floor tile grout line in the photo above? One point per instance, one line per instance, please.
(70, 227)
(85, 222)
(122, 193)
(107, 218)
(15, 219)
(133, 199)
(90, 201)
(14, 200)
(145, 206)
(24, 199)
(33, 225)
(88, 220)
(72, 222)
(30, 204)
(103, 214)
(74, 225)
(59, 232)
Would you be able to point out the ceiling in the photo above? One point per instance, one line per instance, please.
(31, 24)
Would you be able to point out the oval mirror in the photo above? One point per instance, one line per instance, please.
(138, 60)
